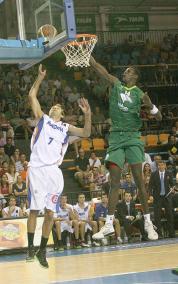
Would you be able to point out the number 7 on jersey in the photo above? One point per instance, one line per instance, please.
(50, 140)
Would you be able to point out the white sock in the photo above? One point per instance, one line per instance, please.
(109, 219)
(147, 217)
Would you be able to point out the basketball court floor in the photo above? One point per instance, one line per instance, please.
(137, 263)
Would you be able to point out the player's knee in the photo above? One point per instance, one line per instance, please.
(75, 223)
(49, 214)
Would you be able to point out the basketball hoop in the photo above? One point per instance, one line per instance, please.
(48, 32)
(78, 52)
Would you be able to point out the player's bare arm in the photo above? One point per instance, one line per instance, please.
(35, 105)
(86, 130)
(149, 106)
(102, 71)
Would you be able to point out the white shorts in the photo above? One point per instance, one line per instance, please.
(45, 187)
(66, 227)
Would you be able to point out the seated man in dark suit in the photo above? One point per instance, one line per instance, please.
(160, 185)
(127, 215)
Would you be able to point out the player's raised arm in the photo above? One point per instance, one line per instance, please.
(153, 110)
(102, 71)
(86, 130)
(35, 105)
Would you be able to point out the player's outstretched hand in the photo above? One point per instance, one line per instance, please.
(84, 105)
(41, 72)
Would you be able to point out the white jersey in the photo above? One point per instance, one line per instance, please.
(82, 212)
(63, 213)
(15, 213)
(49, 142)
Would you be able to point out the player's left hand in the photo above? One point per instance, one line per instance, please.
(84, 105)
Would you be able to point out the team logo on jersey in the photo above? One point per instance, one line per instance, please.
(126, 97)
(54, 126)
(54, 198)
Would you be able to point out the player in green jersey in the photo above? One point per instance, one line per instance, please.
(124, 140)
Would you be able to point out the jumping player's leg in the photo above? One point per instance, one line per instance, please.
(115, 175)
(138, 178)
(31, 226)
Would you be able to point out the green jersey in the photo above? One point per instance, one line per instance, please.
(124, 107)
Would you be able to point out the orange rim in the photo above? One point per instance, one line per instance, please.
(77, 43)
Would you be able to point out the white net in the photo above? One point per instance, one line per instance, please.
(78, 52)
(48, 32)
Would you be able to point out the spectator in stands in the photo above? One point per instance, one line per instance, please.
(98, 179)
(98, 120)
(146, 170)
(3, 156)
(172, 148)
(19, 189)
(2, 203)
(129, 185)
(81, 167)
(2, 139)
(84, 214)
(94, 161)
(74, 96)
(146, 176)
(23, 173)
(160, 185)
(128, 217)
(4, 168)
(5, 187)
(15, 158)
(12, 211)
(9, 148)
(20, 166)
(12, 174)
(100, 216)
(64, 220)
(154, 165)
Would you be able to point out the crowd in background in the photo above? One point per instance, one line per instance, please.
(16, 120)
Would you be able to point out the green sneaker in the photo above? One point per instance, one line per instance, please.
(77, 245)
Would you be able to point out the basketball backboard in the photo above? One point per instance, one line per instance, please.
(31, 15)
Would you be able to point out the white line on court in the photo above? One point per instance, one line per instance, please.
(119, 274)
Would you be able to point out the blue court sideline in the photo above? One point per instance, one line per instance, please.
(149, 277)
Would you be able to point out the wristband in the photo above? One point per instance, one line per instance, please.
(154, 110)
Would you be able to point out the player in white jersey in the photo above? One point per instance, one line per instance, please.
(12, 210)
(84, 213)
(49, 144)
(64, 220)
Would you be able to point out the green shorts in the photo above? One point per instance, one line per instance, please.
(125, 147)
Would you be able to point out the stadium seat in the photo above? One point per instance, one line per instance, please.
(163, 138)
(98, 144)
(151, 140)
(86, 144)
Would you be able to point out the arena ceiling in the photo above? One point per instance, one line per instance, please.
(132, 4)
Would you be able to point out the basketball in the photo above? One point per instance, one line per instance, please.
(47, 31)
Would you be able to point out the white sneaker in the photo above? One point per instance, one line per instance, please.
(96, 244)
(106, 230)
(84, 245)
(152, 234)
